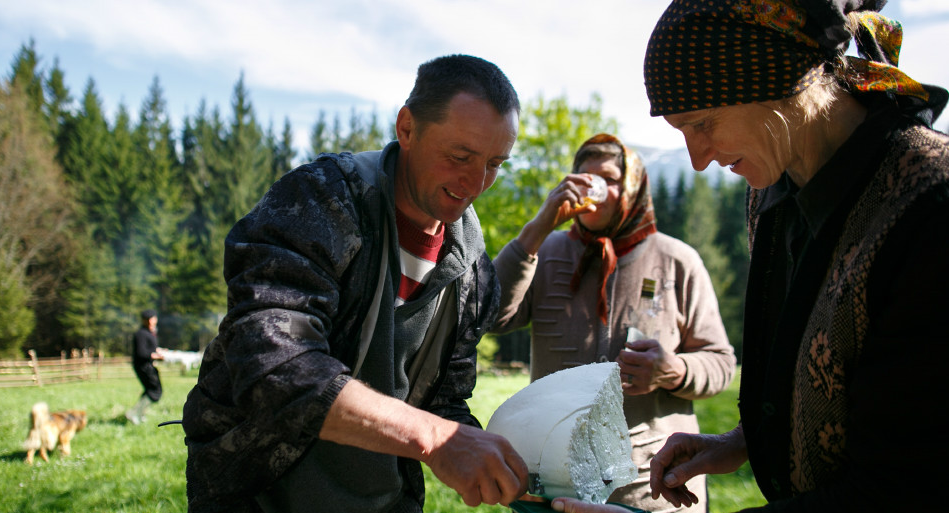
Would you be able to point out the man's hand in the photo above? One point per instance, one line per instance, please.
(685, 456)
(645, 366)
(482, 467)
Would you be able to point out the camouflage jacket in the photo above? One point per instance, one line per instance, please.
(301, 273)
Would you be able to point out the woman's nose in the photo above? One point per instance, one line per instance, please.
(700, 152)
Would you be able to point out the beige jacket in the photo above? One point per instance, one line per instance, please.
(565, 332)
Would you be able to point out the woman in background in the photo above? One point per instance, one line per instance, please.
(612, 288)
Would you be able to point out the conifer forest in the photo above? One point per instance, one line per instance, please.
(102, 216)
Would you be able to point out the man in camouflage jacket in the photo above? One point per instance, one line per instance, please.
(277, 421)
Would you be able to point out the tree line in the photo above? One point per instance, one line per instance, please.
(101, 218)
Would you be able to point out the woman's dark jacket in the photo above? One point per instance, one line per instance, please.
(845, 338)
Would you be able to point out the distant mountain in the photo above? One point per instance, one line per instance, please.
(672, 163)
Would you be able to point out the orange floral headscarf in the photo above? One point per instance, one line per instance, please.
(633, 221)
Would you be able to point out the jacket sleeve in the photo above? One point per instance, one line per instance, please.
(270, 377)
(479, 310)
(709, 357)
(515, 271)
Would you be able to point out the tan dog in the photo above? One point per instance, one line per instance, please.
(48, 429)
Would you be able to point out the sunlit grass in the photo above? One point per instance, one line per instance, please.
(118, 467)
(727, 492)
(115, 466)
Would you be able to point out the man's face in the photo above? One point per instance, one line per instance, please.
(445, 167)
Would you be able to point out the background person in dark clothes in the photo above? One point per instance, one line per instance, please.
(145, 350)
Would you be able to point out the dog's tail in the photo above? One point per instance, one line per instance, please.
(39, 416)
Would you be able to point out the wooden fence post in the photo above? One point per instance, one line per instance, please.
(36, 368)
(84, 367)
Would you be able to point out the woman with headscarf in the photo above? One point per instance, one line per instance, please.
(845, 342)
(589, 294)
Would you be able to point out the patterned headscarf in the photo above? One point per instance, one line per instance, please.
(714, 53)
(633, 221)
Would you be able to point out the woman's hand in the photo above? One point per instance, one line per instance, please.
(645, 366)
(568, 505)
(685, 456)
(559, 207)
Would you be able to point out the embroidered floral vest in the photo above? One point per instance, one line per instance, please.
(837, 328)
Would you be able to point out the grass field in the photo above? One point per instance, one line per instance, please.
(121, 468)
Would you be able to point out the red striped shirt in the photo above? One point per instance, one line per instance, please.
(419, 252)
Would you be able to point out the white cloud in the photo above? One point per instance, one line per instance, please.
(924, 7)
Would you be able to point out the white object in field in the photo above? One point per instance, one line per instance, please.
(190, 359)
(570, 430)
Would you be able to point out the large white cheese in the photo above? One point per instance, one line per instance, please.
(570, 430)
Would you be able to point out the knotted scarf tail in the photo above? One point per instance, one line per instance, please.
(608, 257)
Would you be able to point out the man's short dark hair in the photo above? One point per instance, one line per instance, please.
(440, 79)
(148, 314)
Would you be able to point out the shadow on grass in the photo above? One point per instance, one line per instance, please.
(118, 420)
(14, 456)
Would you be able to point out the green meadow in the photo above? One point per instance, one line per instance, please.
(117, 467)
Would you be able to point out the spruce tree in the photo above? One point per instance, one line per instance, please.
(319, 137)
(59, 106)
(85, 145)
(336, 141)
(375, 136)
(733, 239)
(248, 168)
(661, 201)
(203, 166)
(127, 196)
(356, 139)
(282, 150)
(701, 232)
(89, 316)
(90, 319)
(164, 212)
(675, 222)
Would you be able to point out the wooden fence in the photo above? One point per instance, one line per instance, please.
(80, 366)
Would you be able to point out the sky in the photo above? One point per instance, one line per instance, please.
(300, 57)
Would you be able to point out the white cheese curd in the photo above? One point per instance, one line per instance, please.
(570, 430)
